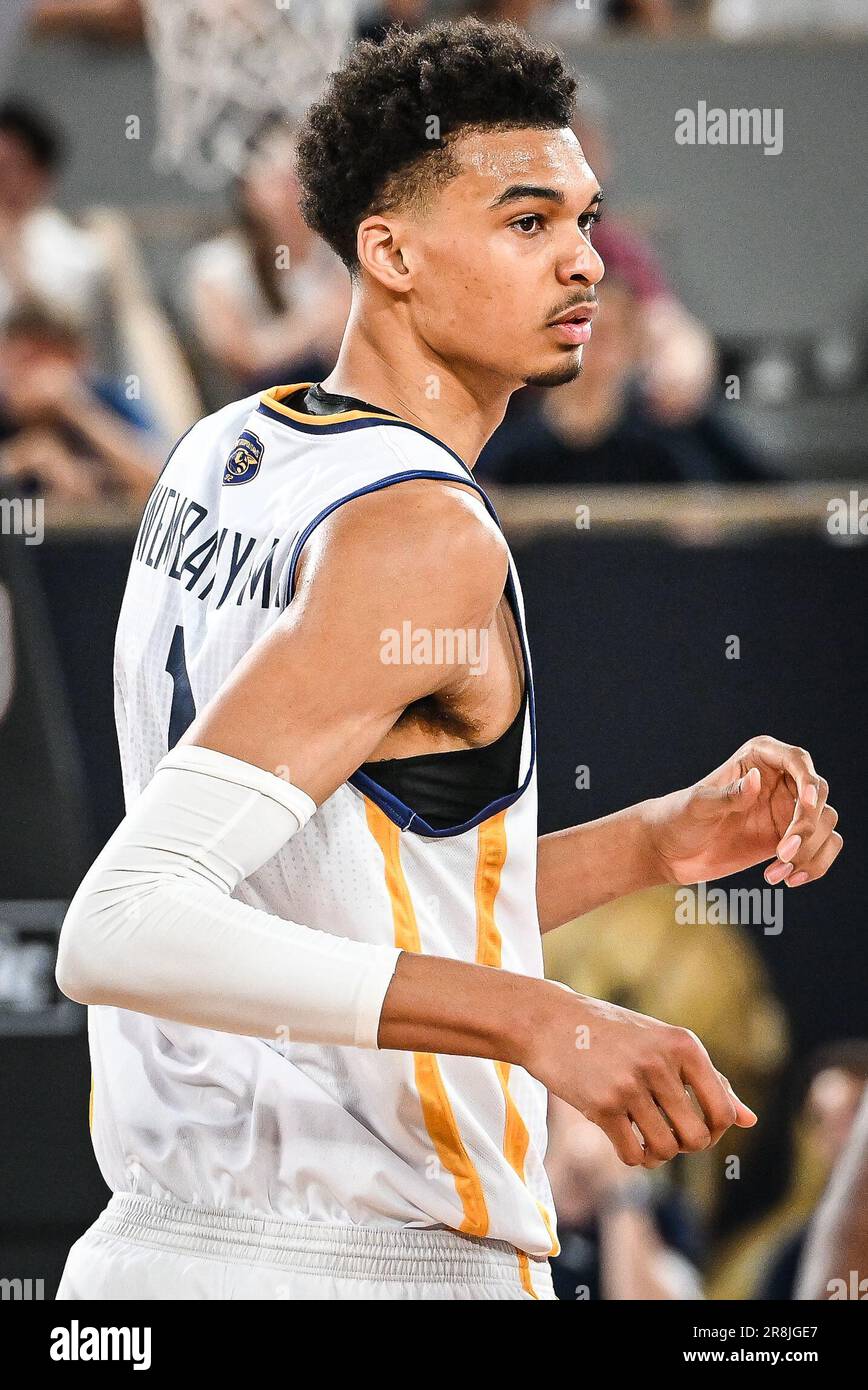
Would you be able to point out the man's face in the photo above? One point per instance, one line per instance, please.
(504, 249)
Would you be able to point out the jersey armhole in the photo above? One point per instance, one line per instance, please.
(400, 814)
(409, 475)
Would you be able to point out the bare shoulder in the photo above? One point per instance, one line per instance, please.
(319, 679)
(422, 544)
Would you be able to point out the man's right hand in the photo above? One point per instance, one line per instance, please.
(617, 1067)
(627, 1072)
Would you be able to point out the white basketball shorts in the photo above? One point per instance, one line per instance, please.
(142, 1248)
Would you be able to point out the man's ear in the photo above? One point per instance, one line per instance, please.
(378, 247)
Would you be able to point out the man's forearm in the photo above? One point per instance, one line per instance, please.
(449, 1006)
(155, 928)
(587, 865)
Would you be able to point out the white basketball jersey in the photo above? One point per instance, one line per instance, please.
(272, 1126)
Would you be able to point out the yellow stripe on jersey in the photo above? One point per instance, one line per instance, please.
(274, 397)
(524, 1275)
(490, 859)
(436, 1110)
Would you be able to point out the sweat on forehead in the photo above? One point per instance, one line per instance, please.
(491, 152)
(507, 154)
(495, 158)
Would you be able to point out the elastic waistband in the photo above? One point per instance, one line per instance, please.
(382, 1254)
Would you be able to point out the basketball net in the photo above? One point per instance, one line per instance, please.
(223, 65)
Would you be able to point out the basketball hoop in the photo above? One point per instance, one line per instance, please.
(223, 65)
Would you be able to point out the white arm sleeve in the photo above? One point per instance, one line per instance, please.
(153, 927)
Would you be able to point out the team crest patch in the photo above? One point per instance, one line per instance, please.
(243, 463)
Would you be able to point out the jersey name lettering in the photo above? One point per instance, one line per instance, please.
(166, 542)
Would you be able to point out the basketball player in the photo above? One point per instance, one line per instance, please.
(321, 1042)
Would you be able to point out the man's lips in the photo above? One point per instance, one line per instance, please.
(574, 325)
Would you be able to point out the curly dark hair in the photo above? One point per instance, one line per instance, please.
(379, 135)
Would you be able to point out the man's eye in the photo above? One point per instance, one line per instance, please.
(587, 220)
(528, 223)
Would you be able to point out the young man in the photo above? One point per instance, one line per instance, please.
(321, 1041)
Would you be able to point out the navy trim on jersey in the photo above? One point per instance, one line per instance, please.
(171, 452)
(344, 426)
(398, 812)
(156, 482)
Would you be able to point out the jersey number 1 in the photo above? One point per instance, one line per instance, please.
(183, 710)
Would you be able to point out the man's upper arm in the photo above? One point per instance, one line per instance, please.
(314, 696)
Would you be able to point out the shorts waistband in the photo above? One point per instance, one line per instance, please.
(380, 1253)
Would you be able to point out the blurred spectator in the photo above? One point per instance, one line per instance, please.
(656, 18)
(746, 19)
(43, 255)
(522, 12)
(65, 431)
(837, 1081)
(677, 352)
(593, 430)
(676, 355)
(624, 1234)
(563, 21)
(836, 1252)
(598, 429)
(376, 19)
(268, 299)
(115, 20)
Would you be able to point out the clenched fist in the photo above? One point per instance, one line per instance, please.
(651, 1087)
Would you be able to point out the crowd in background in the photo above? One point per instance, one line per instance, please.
(639, 413)
(629, 1234)
(68, 429)
(726, 19)
(72, 425)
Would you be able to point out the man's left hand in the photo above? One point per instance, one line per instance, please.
(766, 802)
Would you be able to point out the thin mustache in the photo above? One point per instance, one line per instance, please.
(573, 304)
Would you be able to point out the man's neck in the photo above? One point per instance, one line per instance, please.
(382, 361)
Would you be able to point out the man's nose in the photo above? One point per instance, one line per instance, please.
(584, 265)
